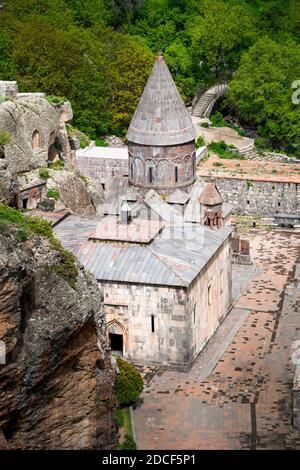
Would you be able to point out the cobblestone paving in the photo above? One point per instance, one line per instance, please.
(245, 401)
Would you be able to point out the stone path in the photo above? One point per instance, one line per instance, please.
(245, 401)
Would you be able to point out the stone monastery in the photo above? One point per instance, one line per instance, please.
(162, 251)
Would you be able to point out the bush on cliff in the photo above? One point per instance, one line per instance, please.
(129, 383)
(66, 268)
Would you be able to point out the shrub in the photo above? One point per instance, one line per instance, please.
(53, 193)
(4, 137)
(101, 142)
(44, 173)
(205, 125)
(200, 142)
(217, 120)
(52, 99)
(217, 164)
(84, 139)
(129, 383)
(224, 150)
(66, 267)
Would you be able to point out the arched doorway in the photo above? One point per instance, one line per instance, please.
(36, 140)
(117, 336)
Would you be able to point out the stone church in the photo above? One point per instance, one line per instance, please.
(162, 251)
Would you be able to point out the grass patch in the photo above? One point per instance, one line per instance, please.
(217, 164)
(44, 173)
(126, 439)
(5, 137)
(66, 268)
(224, 150)
(100, 142)
(53, 193)
(58, 165)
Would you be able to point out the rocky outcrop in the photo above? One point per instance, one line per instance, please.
(37, 130)
(81, 195)
(57, 386)
(9, 188)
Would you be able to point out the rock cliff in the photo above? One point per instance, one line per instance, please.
(57, 386)
(22, 118)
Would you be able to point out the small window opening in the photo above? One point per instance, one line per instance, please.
(152, 324)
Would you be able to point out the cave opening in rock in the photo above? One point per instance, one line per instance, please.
(116, 343)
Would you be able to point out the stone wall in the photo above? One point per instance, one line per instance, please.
(209, 298)
(131, 307)
(184, 319)
(162, 168)
(102, 169)
(264, 198)
(8, 89)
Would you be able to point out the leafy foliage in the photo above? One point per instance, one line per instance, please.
(44, 173)
(66, 267)
(262, 91)
(224, 150)
(5, 137)
(129, 383)
(53, 193)
(200, 142)
(98, 54)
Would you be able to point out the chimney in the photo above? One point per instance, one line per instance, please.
(125, 213)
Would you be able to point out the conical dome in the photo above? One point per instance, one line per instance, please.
(161, 117)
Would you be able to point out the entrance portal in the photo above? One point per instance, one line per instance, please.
(116, 344)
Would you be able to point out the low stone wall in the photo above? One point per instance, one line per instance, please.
(264, 198)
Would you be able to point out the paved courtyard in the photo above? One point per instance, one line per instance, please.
(238, 393)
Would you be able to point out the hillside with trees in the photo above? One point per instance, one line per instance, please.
(99, 53)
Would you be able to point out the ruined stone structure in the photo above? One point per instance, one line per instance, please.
(161, 136)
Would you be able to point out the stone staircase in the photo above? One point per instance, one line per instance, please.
(207, 101)
(250, 153)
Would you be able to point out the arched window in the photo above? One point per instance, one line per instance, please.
(176, 174)
(36, 140)
(150, 174)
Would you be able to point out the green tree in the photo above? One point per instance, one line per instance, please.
(131, 66)
(262, 91)
(221, 33)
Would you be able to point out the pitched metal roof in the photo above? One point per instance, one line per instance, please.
(174, 258)
(192, 211)
(178, 197)
(161, 117)
(126, 263)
